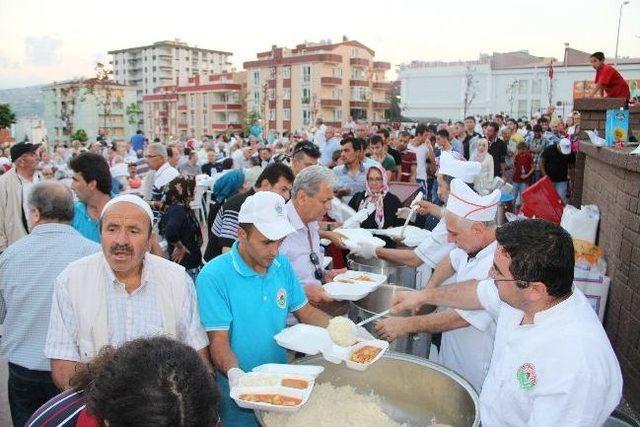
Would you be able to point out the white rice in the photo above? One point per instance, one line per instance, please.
(331, 406)
(342, 331)
(259, 380)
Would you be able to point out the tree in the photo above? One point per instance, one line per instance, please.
(394, 113)
(132, 113)
(470, 87)
(7, 117)
(80, 135)
(512, 90)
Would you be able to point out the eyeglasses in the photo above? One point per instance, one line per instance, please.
(494, 274)
(315, 260)
(307, 148)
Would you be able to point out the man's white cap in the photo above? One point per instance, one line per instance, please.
(466, 171)
(466, 203)
(129, 198)
(565, 146)
(265, 210)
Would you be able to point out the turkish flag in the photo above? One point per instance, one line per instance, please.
(551, 70)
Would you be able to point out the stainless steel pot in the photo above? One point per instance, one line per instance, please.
(398, 274)
(412, 390)
(380, 300)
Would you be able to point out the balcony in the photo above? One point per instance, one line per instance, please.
(331, 81)
(382, 85)
(182, 107)
(358, 104)
(163, 113)
(381, 105)
(182, 125)
(364, 83)
(165, 55)
(330, 103)
(359, 61)
(226, 107)
(381, 65)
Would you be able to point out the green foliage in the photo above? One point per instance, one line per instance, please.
(7, 117)
(132, 113)
(80, 135)
(251, 117)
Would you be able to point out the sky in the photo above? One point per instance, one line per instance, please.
(46, 41)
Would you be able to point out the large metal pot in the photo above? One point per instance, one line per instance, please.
(380, 300)
(398, 274)
(412, 390)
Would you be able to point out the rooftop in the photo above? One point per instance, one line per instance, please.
(168, 43)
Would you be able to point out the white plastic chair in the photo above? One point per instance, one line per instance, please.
(197, 206)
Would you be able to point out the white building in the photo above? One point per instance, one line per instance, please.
(161, 63)
(94, 106)
(515, 83)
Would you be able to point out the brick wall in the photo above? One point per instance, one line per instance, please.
(593, 114)
(611, 180)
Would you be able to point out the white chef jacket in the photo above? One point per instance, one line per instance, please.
(558, 371)
(468, 350)
(435, 248)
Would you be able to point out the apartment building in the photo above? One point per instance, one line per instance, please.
(290, 88)
(98, 107)
(202, 105)
(161, 63)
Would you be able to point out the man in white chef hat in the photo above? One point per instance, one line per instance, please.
(435, 248)
(467, 335)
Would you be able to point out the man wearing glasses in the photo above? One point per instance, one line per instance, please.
(311, 197)
(164, 173)
(552, 362)
(305, 154)
(467, 335)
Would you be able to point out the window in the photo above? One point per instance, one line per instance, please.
(535, 104)
(523, 87)
(153, 57)
(272, 73)
(354, 52)
(205, 119)
(536, 86)
(306, 73)
(522, 107)
(286, 93)
(337, 115)
(256, 97)
(154, 79)
(357, 74)
(204, 100)
(337, 72)
(306, 95)
(306, 117)
(272, 114)
(286, 114)
(271, 94)
(191, 101)
(192, 119)
(336, 94)
(359, 93)
(256, 78)
(285, 72)
(154, 69)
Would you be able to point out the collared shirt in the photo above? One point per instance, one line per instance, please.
(253, 307)
(28, 269)
(435, 247)
(346, 179)
(162, 177)
(26, 189)
(130, 315)
(332, 145)
(298, 246)
(558, 371)
(468, 350)
(84, 224)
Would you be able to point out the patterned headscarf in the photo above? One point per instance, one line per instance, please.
(228, 185)
(376, 198)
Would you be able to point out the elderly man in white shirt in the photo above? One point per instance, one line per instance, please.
(311, 197)
(467, 336)
(120, 294)
(552, 362)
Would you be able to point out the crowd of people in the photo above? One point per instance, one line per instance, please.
(106, 252)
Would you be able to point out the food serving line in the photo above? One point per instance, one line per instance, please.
(386, 384)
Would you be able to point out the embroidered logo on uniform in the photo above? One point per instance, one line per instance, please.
(279, 209)
(527, 376)
(281, 298)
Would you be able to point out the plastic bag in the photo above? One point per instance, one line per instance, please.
(581, 223)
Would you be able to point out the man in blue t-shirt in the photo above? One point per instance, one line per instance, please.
(137, 141)
(91, 182)
(245, 295)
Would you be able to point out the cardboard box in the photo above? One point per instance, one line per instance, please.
(595, 287)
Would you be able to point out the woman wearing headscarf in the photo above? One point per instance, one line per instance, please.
(386, 203)
(179, 225)
(227, 185)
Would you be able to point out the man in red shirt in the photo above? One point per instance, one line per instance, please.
(608, 79)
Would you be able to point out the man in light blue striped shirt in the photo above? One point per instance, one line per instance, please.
(28, 269)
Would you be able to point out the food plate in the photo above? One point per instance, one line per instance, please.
(357, 235)
(361, 277)
(413, 235)
(383, 345)
(237, 394)
(303, 337)
(348, 291)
